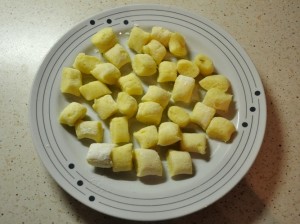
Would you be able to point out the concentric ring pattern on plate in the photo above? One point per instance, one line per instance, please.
(150, 199)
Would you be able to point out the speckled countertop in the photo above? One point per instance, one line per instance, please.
(268, 31)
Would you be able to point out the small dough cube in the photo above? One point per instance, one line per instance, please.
(99, 155)
(119, 130)
(89, 129)
(104, 39)
(177, 45)
(179, 162)
(117, 55)
(71, 80)
(187, 68)
(86, 63)
(161, 34)
(106, 73)
(217, 99)
(215, 81)
(149, 113)
(147, 137)
(179, 116)
(144, 65)
(183, 89)
(167, 71)
(137, 39)
(202, 115)
(147, 162)
(221, 129)
(205, 64)
(193, 142)
(158, 95)
(122, 158)
(131, 84)
(156, 50)
(72, 113)
(127, 104)
(94, 90)
(168, 133)
(105, 106)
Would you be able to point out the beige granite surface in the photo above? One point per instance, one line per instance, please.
(269, 32)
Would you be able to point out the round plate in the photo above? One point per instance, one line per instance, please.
(152, 198)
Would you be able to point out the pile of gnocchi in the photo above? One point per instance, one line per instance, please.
(133, 104)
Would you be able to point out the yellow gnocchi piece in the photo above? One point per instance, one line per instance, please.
(127, 104)
(158, 95)
(179, 116)
(122, 158)
(149, 113)
(94, 90)
(179, 162)
(137, 39)
(202, 115)
(167, 71)
(106, 73)
(193, 142)
(71, 80)
(86, 63)
(147, 162)
(217, 99)
(156, 50)
(131, 84)
(104, 39)
(215, 81)
(147, 137)
(117, 55)
(161, 34)
(177, 45)
(187, 68)
(168, 133)
(119, 130)
(205, 64)
(105, 106)
(221, 129)
(144, 65)
(72, 113)
(89, 129)
(183, 89)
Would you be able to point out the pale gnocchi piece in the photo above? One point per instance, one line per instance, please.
(168, 133)
(217, 99)
(105, 106)
(161, 34)
(193, 142)
(156, 50)
(179, 116)
(143, 65)
(167, 71)
(147, 162)
(89, 129)
(71, 80)
(147, 137)
(85, 63)
(177, 45)
(106, 73)
(117, 55)
(127, 104)
(121, 157)
(158, 95)
(94, 90)
(149, 113)
(179, 162)
(215, 81)
(221, 129)
(187, 68)
(104, 39)
(131, 84)
(202, 115)
(205, 64)
(72, 113)
(137, 39)
(99, 155)
(119, 131)
(183, 89)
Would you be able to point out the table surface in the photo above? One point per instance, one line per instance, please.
(268, 31)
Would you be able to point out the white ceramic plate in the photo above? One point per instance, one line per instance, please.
(152, 198)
